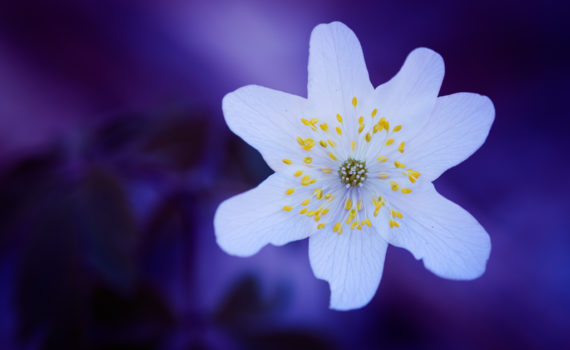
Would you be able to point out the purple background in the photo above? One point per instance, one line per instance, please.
(114, 156)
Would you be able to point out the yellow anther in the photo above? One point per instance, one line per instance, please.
(326, 210)
(324, 127)
(332, 143)
(318, 193)
(312, 181)
(339, 118)
(338, 228)
(332, 156)
(366, 222)
(305, 121)
(353, 145)
(298, 173)
(314, 121)
(394, 223)
(360, 120)
(386, 125)
(306, 201)
(352, 213)
(354, 101)
(338, 130)
(389, 142)
(399, 165)
(308, 160)
(311, 213)
(359, 205)
(287, 208)
(289, 191)
(323, 144)
(300, 141)
(354, 224)
(374, 111)
(376, 128)
(383, 175)
(348, 204)
(368, 137)
(397, 128)
(396, 214)
(306, 180)
(412, 179)
(287, 161)
(326, 170)
(320, 226)
(376, 212)
(382, 159)
(394, 185)
(401, 147)
(303, 211)
(328, 196)
(414, 173)
(406, 190)
(360, 128)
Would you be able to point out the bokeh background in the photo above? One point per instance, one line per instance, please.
(114, 156)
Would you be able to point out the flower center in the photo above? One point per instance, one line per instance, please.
(352, 172)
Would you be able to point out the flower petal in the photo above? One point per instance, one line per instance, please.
(247, 222)
(267, 120)
(337, 71)
(351, 262)
(450, 241)
(457, 127)
(410, 96)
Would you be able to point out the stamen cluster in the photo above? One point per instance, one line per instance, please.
(353, 173)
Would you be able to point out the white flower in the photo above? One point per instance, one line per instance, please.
(354, 168)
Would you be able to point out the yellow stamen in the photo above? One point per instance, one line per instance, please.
(401, 147)
(389, 142)
(368, 137)
(353, 145)
(394, 185)
(354, 101)
(318, 193)
(338, 130)
(360, 128)
(332, 143)
(326, 170)
(287, 161)
(382, 159)
(332, 156)
(308, 160)
(298, 173)
(287, 208)
(300, 141)
(306, 180)
(406, 190)
(397, 128)
(328, 196)
(323, 144)
(289, 191)
(394, 223)
(337, 228)
(303, 211)
(354, 224)
(360, 120)
(374, 111)
(359, 205)
(326, 210)
(339, 118)
(306, 201)
(320, 226)
(383, 175)
(348, 204)
(399, 165)
(324, 127)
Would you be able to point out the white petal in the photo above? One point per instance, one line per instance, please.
(247, 222)
(409, 97)
(457, 127)
(337, 71)
(450, 241)
(266, 119)
(352, 263)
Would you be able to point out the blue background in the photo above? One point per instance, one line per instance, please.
(114, 155)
